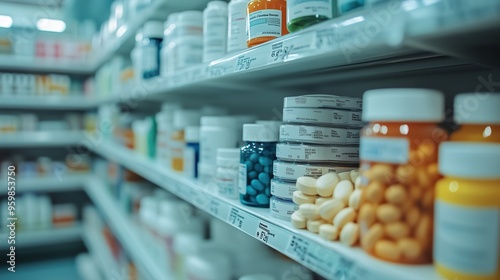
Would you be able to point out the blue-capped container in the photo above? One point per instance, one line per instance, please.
(256, 164)
(152, 36)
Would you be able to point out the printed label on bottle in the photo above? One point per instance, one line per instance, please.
(466, 238)
(228, 184)
(188, 55)
(386, 149)
(264, 23)
(302, 8)
(150, 59)
(242, 178)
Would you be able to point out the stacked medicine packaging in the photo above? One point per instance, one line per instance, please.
(320, 134)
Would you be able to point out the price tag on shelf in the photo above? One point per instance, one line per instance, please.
(219, 69)
(311, 254)
(279, 51)
(244, 62)
(264, 232)
(235, 218)
(325, 38)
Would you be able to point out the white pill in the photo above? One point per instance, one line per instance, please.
(358, 184)
(309, 211)
(349, 234)
(299, 198)
(306, 185)
(343, 190)
(330, 208)
(321, 200)
(298, 221)
(326, 184)
(328, 232)
(344, 216)
(313, 225)
(345, 176)
(355, 199)
(354, 175)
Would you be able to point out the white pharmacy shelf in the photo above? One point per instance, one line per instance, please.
(51, 236)
(34, 64)
(100, 252)
(67, 182)
(330, 259)
(38, 139)
(123, 228)
(344, 49)
(48, 102)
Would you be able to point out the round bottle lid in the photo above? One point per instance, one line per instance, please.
(153, 29)
(470, 160)
(477, 108)
(228, 157)
(259, 133)
(403, 104)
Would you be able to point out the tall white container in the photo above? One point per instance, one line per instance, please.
(214, 30)
(236, 31)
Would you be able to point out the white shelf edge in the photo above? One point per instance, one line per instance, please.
(40, 139)
(70, 182)
(325, 258)
(50, 236)
(48, 102)
(124, 230)
(99, 250)
(36, 64)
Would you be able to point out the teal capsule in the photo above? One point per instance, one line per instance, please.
(252, 175)
(257, 167)
(264, 178)
(262, 199)
(254, 158)
(256, 184)
(251, 191)
(265, 161)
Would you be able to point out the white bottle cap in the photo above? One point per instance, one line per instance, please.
(403, 104)
(172, 18)
(184, 118)
(470, 160)
(187, 243)
(192, 134)
(219, 121)
(214, 263)
(259, 133)
(477, 108)
(153, 29)
(228, 156)
(190, 17)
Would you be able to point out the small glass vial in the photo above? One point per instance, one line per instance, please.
(256, 164)
(192, 151)
(266, 20)
(152, 36)
(226, 178)
(304, 13)
(479, 117)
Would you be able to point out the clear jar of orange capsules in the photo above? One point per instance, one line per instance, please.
(266, 20)
(399, 155)
(478, 115)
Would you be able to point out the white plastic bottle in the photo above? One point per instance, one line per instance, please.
(236, 31)
(214, 30)
(187, 48)
(227, 172)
